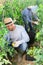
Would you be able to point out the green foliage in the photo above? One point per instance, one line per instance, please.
(38, 2)
(13, 8)
(8, 9)
(39, 57)
(1, 11)
(4, 61)
(4, 48)
(39, 35)
(38, 52)
(3, 54)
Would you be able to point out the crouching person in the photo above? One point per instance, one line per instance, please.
(18, 36)
(29, 16)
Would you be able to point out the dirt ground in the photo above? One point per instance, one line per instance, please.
(22, 61)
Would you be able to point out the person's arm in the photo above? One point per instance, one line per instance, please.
(24, 35)
(7, 39)
(29, 22)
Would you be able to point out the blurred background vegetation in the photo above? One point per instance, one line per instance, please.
(13, 8)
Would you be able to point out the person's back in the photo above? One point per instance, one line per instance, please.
(26, 14)
(30, 17)
(27, 18)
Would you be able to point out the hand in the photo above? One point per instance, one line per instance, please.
(16, 44)
(35, 22)
(13, 44)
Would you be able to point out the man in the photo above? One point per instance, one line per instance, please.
(17, 35)
(29, 15)
(29, 18)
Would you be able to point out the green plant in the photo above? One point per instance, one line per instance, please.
(4, 48)
(1, 12)
(13, 8)
(37, 52)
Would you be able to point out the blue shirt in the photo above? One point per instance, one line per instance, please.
(27, 15)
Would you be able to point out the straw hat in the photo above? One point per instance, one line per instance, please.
(30, 7)
(7, 20)
(33, 8)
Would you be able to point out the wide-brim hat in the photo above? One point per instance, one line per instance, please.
(9, 20)
(33, 8)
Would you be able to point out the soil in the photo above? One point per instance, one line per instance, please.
(15, 61)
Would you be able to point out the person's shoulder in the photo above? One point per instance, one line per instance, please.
(24, 10)
(19, 26)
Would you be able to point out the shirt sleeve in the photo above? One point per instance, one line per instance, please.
(24, 36)
(28, 19)
(7, 37)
